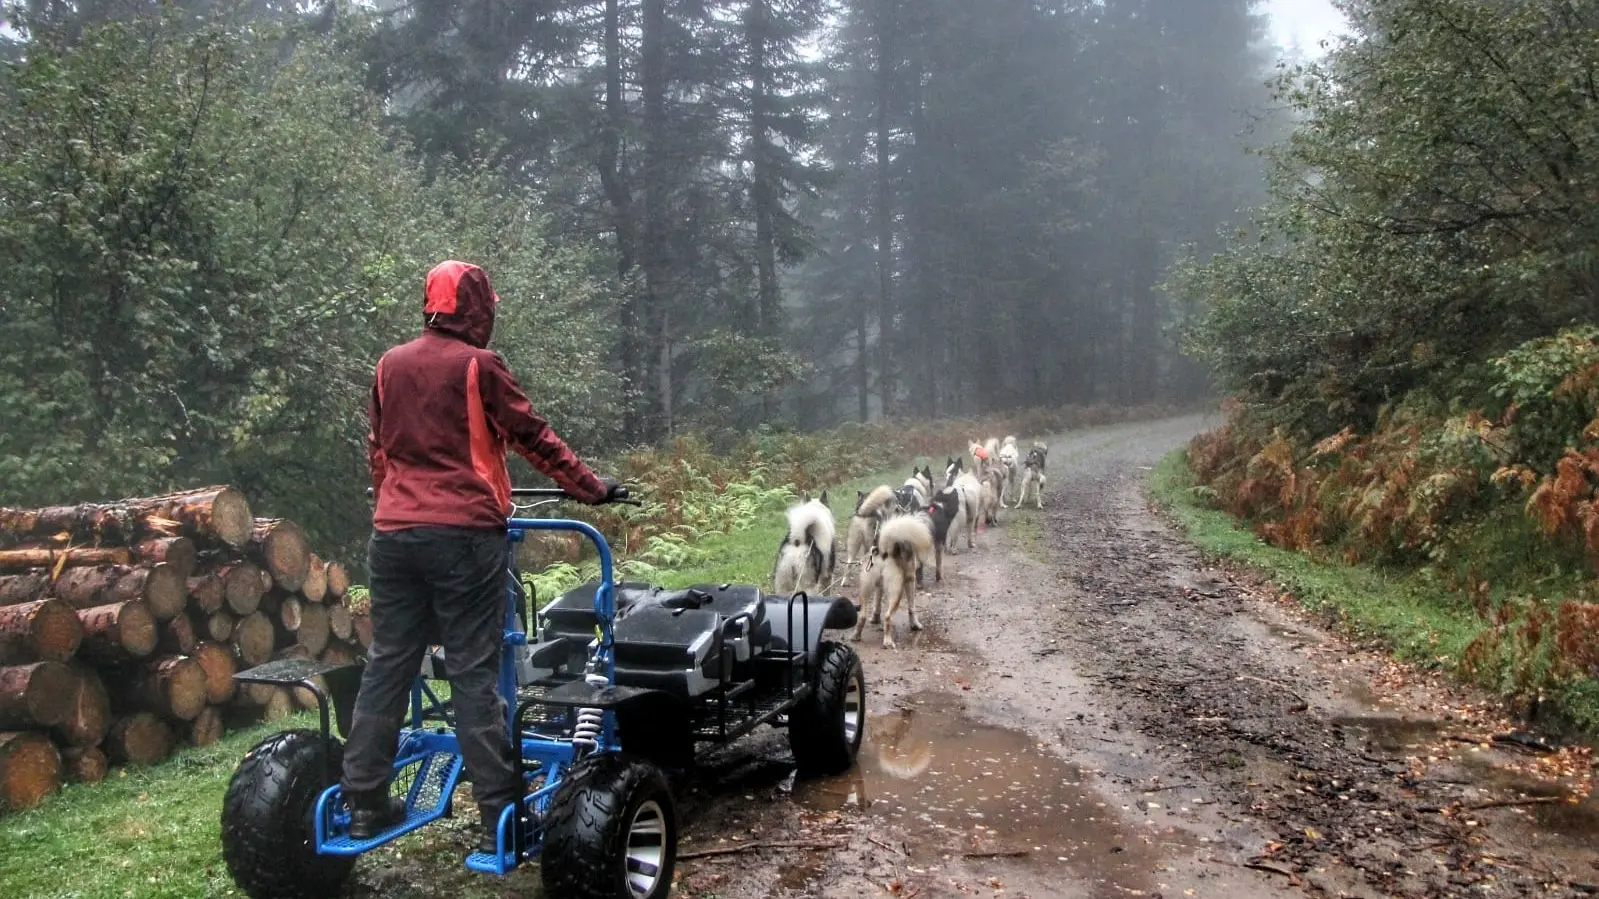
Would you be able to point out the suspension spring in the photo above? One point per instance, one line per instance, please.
(590, 722)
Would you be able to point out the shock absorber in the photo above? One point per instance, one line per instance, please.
(590, 722)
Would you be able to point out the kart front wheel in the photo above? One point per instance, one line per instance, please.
(611, 832)
(268, 830)
(825, 730)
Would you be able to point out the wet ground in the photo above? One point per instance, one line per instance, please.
(1091, 712)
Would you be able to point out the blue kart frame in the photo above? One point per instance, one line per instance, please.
(573, 722)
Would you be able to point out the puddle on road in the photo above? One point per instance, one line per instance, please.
(1390, 733)
(948, 786)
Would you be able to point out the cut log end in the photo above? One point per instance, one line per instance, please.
(340, 624)
(230, 518)
(84, 765)
(206, 728)
(171, 686)
(242, 587)
(44, 631)
(206, 592)
(253, 637)
(315, 626)
(91, 711)
(283, 551)
(30, 769)
(37, 695)
(338, 580)
(178, 553)
(118, 633)
(217, 660)
(178, 636)
(166, 590)
(315, 588)
(141, 739)
(219, 627)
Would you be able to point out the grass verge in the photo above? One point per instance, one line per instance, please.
(1418, 621)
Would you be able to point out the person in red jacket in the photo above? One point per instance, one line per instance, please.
(444, 409)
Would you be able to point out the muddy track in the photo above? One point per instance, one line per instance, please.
(1092, 712)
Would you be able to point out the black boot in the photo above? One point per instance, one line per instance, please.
(488, 831)
(371, 814)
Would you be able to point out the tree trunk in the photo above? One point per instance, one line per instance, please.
(218, 627)
(243, 585)
(315, 587)
(43, 631)
(159, 586)
(177, 636)
(140, 739)
(206, 592)
(206, 728)
(619, 196)
(338, 580)
(253, 638)
(90, 717)
(118, 633)
(884, 28)
(20, 588)
(30, 769)
(315, 625)
(43, 557)
(281, 548)
(341, 625)
(170, 686)
(765, 188)
(653, 87)
(84, 765)
(179, 553)
(37, 695)
(217, 662)
(214, 513)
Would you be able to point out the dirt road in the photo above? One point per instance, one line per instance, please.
(1090, 712)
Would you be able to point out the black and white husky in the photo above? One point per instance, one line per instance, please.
(871, 510)
(807, 555)
(1033, 474)
(970, 491)
(917, 490)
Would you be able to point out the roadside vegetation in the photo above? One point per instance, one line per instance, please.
(1409, 337)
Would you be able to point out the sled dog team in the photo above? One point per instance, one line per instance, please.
(893, 532)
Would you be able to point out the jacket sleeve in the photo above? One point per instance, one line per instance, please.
(376, 461)
(530, 434)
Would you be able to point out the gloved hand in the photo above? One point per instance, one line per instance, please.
(613, 491)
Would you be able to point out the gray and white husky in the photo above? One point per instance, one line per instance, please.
(807, 555)
(1033, 474)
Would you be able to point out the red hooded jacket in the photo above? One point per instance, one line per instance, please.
(443, 411)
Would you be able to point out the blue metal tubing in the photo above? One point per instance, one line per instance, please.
(604, 597)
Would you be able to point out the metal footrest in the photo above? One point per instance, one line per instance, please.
(428, 780)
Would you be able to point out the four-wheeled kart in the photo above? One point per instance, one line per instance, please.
(620, 683)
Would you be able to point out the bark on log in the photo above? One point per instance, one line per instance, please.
(141, 739)
(314, 628)
(338, 580)
(43, 631)
(217, 661)
(218, 513)
(178, 553)
(242, 587)
(30, 769)
(178, 636)
(340, 623)
(19, 588)
(363, 630)
(35, 696)
(315, 588)
(37, 557)
(159, 586)
(91, 711)
(170, 686)
(206, 728)
(253, 637)
(118, 633)
(206, 592)
(218, 627)
(84, 765)
(281, 548)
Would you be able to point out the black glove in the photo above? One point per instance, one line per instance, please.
(613, 490)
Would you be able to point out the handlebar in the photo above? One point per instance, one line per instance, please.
(621, 497)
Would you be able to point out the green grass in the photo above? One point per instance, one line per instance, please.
(1405, 610)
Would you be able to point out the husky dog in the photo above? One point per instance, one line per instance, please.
(871, 510)
(1033, 474)
(990, 500)
(1010, 462)
(806, 557)
(970, 491)
(902, 544)
(941, 512)
(917, 490)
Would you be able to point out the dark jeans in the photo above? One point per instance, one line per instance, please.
(435, 585)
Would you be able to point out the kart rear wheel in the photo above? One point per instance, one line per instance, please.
(824, 731)
(611, 832)
(268, 832)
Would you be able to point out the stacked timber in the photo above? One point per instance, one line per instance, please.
(123, 623)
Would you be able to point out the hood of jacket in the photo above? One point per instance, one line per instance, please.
(459, 301)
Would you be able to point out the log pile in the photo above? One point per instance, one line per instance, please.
(123, 623)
